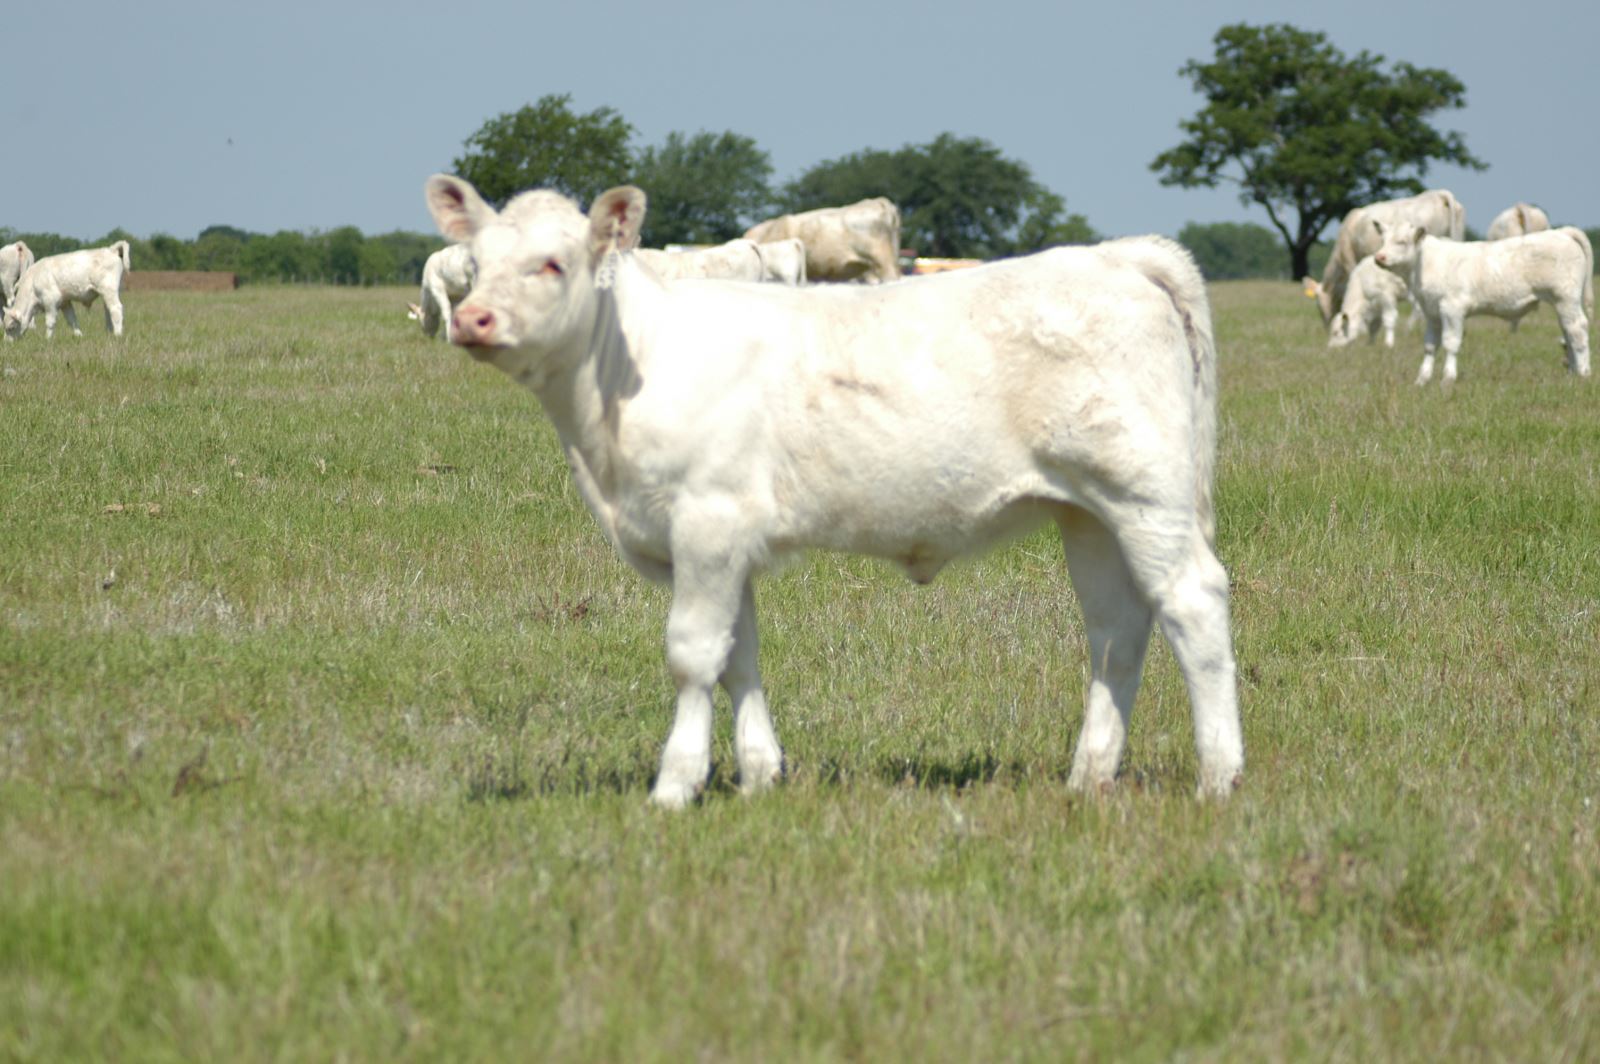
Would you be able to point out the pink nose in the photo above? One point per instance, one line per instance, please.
(473, 326)
(1380, 258)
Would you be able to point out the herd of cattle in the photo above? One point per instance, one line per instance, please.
(860, 242)
(1384, 254)
(1413, 248)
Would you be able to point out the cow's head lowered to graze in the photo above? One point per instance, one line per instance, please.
(538, 265)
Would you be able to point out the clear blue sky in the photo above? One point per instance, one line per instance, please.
(162, 116)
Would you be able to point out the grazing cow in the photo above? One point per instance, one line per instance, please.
(784, 261)
(860, 242)
(1518, 220)
(446, 278)
(1437, 210)
(58, 281)
(1505, 278)
(1371, 300)
(715, 428)
(737, 260)
(14, 262)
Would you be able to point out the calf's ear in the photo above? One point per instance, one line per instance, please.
(615, 218)
(1313, 287)
(1421, 232)
(457, 209)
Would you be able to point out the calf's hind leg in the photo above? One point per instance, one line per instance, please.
(113, 310)
(1186, 586)
(1117, 622)
(1575, 337)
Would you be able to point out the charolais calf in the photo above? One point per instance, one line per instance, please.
(1507, 278)
(715, 428)
(56, 282)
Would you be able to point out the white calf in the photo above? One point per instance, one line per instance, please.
(1517, 220)
(1506, 278)
(784, 261)
(715, 428)
(14, 262)
(1371, 301)
(446, 278)
(58, 281)
(737, 260)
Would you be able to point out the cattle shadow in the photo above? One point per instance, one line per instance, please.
(517, 777)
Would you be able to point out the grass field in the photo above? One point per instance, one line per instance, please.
(327, 721)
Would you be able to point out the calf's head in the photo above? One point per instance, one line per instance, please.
(19, 315)
(1399, 248)
(537, 266)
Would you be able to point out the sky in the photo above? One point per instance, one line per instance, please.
(168, 117)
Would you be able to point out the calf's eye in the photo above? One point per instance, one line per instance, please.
(552, 268)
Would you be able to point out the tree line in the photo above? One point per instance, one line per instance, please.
(341, 256)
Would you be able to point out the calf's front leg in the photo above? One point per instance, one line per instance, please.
(707, 590)
(1430, 343)
(755, 743)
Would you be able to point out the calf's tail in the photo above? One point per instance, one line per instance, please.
(121, 248)
(1588, 273)
(1170, 267)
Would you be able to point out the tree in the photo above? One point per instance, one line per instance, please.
(344, 255)
(958, 197)
(1228, 251)
(1307, 133)
(546, 145)
(703, 189)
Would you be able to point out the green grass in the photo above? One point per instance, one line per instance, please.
(334, 740)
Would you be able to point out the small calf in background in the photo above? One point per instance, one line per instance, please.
(446, 280)
(14, 262)
(1517, 220)
(1451, 281)
(56, 282)
(1371, 301)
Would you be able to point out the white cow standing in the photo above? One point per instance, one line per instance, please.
(783, 261)
(859, 242)
(14, 262)
(1506, 278)
(715, 428)
(56, 282)
(1436, 210)
(446, 278)
(1371, 302)
(1517, 220)
(737, 260)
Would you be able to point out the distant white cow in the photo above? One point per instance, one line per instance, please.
(1505, 278)
(715, 428)
(58, 281)
(1437, 210)
(1518, 220)
(737, 260)
(860, 242)
(1371, 301)
(14, 262)
(784, 261)
(446, 277)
